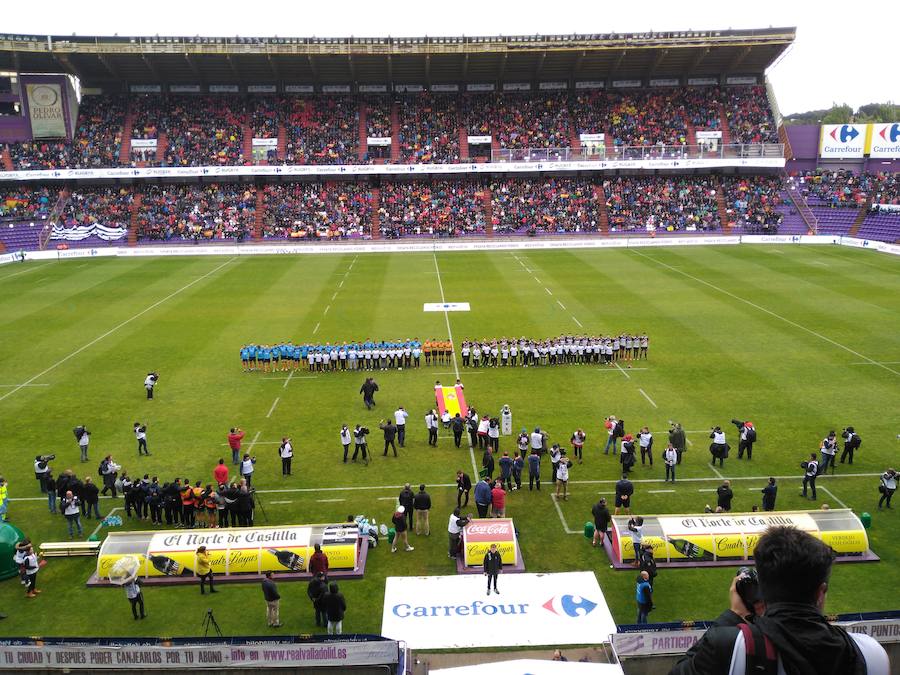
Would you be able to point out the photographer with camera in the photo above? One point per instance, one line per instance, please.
(828, 450)
(390, 432)
(83, 438)
(346, 438)
(286, 453)
(108, 471)
(247, 468)
(42, 470)
(810, 471)
(852, 441)
(150, 382)
(747, 433)
(888, 487)
(361, 444)
(140, 433)
(719, 446)
(677, 438)
(784, 631)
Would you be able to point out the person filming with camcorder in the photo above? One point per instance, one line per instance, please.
(42, 470)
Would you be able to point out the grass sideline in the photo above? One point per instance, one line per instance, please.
(799, 342)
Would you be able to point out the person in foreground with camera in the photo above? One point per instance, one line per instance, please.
(782, 630)
(888, 487)
(42, 470)
(150, 382)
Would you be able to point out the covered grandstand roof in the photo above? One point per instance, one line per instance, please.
(113, 62)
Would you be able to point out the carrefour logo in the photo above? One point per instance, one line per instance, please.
(890, 133)
(570, 605)
(844, 134)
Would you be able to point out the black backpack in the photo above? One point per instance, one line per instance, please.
(620, 428)
(751, 435)
(857, 441)
(101, 470)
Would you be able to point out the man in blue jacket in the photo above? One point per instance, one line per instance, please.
(483, 497)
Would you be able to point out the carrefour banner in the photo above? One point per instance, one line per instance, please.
(453, 612)
(884, 140)
(245, 550)
(726, 536)
(842, 140)
(45, 109)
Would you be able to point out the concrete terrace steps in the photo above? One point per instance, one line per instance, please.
(861, 217)
(723, 210)
(363, 133)
(6, 159)
(463, 144)
(127, 130)
(282, 142)
(723, 121)
(259, 216)
(600, 196)
(162, 144)
(487, 201)
(134, 220)
(395, 132)
(375, 224)
(247, 142)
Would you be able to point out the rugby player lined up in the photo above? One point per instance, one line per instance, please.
(553, 351)
(365, 355)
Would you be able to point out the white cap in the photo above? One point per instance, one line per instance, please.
(401, 509)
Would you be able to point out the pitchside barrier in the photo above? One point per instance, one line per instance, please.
(729, 538)
(430, 246)
(344, 653)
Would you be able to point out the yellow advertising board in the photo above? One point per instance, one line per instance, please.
(249, 550)
(480, 533)
(733, 536)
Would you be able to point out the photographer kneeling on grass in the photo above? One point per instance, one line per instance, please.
(784, 631)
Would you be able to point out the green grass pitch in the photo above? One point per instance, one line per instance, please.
(799, 339)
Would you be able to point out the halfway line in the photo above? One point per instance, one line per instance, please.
(272, 409)
(644, 393)
(115, 328)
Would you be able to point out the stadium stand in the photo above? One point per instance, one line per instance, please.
(754, 203)
(323, 130)
(204, 131)
(107, 206)
(544, 205)
(670, 204)
(23, 202)
(429, 129)
(329, 210)
(445, 208)
(196, 212)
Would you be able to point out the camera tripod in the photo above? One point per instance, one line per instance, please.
(259, 503)
(209, 621)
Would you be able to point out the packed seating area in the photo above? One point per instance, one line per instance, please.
(667, 203)
(549, 205)
(332, 210)
(197, 212)
(18, 202)
(323, 130)
(445, 208)
(204, 132)
(844, 188)
(429, 129)
(753, 203)
(108, 206)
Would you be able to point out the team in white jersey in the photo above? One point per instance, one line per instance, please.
(560, 350)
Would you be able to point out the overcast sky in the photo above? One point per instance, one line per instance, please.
(843, 53)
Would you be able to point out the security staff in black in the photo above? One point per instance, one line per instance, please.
(493, 565)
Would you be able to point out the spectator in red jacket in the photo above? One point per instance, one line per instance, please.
(234, 442)
(220, 473)
(318, 562)
(498, 500)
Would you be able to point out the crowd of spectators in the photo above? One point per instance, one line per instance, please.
(547, 205)
(332, 210)
(107, 206)
(749, 116)
(40, 154)
(519, 120)
(886, 189)
(26, 203)
(98, 136)
(264, 116)
(378, 116)
(645, 118)
(197, 212)
(204, 131)
(429, 129)
(669, 203)
(323, 130)
(752, 202)
(441, 207)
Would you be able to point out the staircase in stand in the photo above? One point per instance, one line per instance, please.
(125, 147)
(7, 160)
(363, 133)
(247, 144)
(395, 132)
(691, 135)
(600, 196)
(463, 144)
(575, 141)
(375, 224)
(723, 210)
(55, 215)
(495, 149)
(812, 224)
(723, 120)
(783, 138)
(860, 217)
(162, 144)
(487, 201)
(282, 142)
(610, 145)
(134, 221)
(260, 216)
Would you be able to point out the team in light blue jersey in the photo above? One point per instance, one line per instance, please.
(365, 355)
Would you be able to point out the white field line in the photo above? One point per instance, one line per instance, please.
(341, 285)
(689, 441)
(644, 393)
(834, 497)
(4, 386)
(770, 313)
(100, 525)
(326, 310)
(562, 518)
(334, 295)
(316, 329)
(537, 280)
(878, 363)
(117, 327)
(80, 266)
(437, 270)
(578, 322)
(287, 381)
(384, 499)
(716, 471)
(549, 292)
(716, 489)
(560, 304)
(286, 501)
(622, 370)
(299, 377)
(330, 500)
(358, 488)
(253, 442)
(656, 492)
(41, 279)
(26, 271)
(272, 409)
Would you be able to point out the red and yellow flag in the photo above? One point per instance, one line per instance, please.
(451, 400)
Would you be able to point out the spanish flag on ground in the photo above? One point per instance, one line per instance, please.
(452, 400)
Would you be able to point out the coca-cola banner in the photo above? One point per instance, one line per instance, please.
(244, 550)
(453, 612)
(711, 537)
(480, 533)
